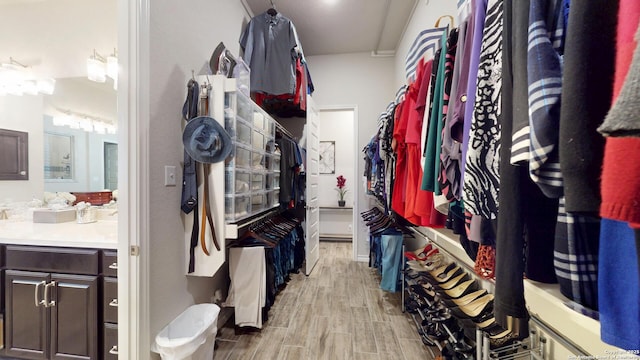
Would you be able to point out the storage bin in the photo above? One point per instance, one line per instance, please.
(237, 207)
(190, 336)
(244, 107)
(241, 157)
(238, 130)
(257, 140)
(258, 182)
(258, 202)
(236, 181)
(274, 198)
(258, 161)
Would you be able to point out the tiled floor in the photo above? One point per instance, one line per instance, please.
(338, 312)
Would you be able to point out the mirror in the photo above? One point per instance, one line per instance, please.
(60, 38)
(83, 159)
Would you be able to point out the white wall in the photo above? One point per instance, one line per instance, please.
(424, 17)
(368, 83)
(337, 125)
(56, 37)
(182, 39)
(24, 113)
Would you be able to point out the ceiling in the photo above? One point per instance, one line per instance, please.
(343, 26)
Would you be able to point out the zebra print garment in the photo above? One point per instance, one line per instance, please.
(544, 72)
(482, 178)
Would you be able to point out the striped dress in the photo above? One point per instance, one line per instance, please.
(482, 178)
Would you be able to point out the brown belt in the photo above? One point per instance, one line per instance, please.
(206, 213)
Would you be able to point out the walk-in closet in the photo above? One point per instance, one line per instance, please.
(319, 179)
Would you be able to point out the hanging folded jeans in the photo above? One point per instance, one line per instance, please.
(391, 259)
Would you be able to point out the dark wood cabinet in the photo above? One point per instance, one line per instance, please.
(14, 155)
(110, 305)
(110, 349)
(26, 324)
(74, 317)
(51, 315)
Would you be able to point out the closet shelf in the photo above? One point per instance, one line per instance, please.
(570, 329)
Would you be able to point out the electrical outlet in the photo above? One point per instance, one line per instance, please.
(169, 175)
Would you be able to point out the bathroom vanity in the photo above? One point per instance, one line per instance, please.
(59, 290)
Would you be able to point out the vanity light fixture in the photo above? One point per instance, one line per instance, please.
(85, 122)
(17, 79)
(100, 67)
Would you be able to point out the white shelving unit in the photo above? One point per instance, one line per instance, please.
(247, 184)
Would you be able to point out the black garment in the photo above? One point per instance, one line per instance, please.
(288, 164)
(589, 57)
(527, 218)
(456, 223)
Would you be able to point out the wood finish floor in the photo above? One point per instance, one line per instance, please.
(337, 313)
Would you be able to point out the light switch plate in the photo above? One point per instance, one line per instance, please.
(169, 175)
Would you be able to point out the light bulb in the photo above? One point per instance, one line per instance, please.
(46, 86)
(30, 87)
(96, 70)
(112, 67)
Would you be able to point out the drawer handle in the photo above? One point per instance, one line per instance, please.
(114, 303)
(114, 266)
(35, 296)
(114, 350)
(48, 303)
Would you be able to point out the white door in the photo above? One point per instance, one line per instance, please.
(312, 232)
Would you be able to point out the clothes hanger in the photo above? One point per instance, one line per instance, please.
(272, 11)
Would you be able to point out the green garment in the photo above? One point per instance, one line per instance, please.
(434, 133)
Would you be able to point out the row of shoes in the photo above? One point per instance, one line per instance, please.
(453, 291)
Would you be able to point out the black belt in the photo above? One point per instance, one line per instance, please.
(189, 201)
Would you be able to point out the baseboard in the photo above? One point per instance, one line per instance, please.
(363, 258)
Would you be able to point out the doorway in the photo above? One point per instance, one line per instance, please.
(338, 157)
(110, 166)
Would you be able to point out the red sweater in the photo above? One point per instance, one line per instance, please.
(621, 166)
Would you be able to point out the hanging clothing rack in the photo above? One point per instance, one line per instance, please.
(283, 130)
(234, 230)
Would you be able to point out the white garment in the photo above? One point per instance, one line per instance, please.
(248, 290)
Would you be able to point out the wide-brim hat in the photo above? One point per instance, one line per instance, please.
(205, 140)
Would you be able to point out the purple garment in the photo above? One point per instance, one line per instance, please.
(450, 155)
(480, 12)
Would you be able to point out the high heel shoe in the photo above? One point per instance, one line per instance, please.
(446, 276)
(475, 310)
(461, 289)
(453, 282)
(465, 299)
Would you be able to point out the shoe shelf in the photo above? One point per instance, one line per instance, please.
(453, 314)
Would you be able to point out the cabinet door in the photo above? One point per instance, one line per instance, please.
(110, 350)
(27, 325)
(74, 317)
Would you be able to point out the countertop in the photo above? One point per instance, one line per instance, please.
(102, 234)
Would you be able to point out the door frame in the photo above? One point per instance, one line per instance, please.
(133, 174)
(357, 188)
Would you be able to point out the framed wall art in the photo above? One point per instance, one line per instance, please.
(327, 157)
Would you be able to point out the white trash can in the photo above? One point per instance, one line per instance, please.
(190, 336)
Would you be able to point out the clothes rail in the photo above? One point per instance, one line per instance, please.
(283, 130)
(570, 345)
